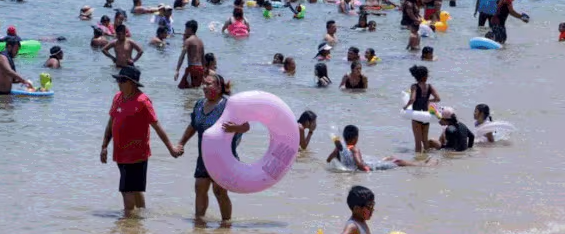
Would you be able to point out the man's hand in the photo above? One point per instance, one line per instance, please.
(104, 155)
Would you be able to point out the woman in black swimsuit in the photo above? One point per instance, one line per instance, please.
(420, 99)
(354, 80)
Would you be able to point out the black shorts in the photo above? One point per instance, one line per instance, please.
(201, 171)
(483, 19)
(422, 123)
(133, 177)
(499, 33)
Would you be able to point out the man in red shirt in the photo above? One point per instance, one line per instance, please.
(130, 117)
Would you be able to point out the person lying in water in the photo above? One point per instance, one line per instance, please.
(351, 156)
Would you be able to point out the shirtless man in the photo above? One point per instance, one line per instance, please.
(123, 48)
(98, 40)
(8, 73)
(193, 48)
(330, 37)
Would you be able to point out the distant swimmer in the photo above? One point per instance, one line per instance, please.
(562, 31)
(353, 54)
(193, 49)
(86, 13)
(289, 66)
(54, 60)
(414, 39)
(160, 37)
(98, 40)
(138, 8)
(428, 54)
(123, 48)
(8, 74)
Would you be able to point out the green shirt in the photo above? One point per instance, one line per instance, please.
(267, 14)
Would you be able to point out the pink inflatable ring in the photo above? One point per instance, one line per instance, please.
(240, 177)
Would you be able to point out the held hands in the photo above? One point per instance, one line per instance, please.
(177, 151)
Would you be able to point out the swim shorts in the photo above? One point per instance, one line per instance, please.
(196, 73)
(428, 13)
(133, 177)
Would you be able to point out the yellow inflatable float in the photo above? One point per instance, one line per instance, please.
(440, 25)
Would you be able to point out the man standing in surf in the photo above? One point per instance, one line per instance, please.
(8, 74)
(193, 48)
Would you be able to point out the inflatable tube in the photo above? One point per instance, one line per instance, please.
(484, 44)
(240, 177)
(277, 4)
(495, 127)
(379, 7)
(355, 3)
(28, 47)
(238, 29)
(18, 92)
(251, 3)
(421, 116)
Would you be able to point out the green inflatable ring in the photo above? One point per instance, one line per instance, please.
(28, 47)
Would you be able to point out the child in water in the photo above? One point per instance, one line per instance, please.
(420, 93)
(278, 58)
(562, 31)
(298, 12)
(209, 64)
(414, 39)
(361, 202)
(372, 26)
(456, 136)
(362, 23)
(428, 54)
(306, 121)
(371, 57)
(289, 66)
(352, 159)
(482, 115)
(321, 73)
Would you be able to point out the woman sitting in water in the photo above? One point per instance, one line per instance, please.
(210, 64)
(355, 79)
(321, 73)
(237, 21)
(323, 52)
(456, 136)
(306, 121)
(482, 115)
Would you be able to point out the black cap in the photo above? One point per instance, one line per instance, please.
(130, 73)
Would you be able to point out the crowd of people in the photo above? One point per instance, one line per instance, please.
(132, 113)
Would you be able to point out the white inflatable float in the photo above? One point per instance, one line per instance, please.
(501, 130)
(420, 116)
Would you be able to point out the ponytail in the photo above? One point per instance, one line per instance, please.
(483, 108)
(225, 87)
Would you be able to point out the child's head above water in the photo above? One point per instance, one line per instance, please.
(370, 54)
(361, 202)
(278, 58)
(420, 73)
(307, 118)
(351, 134)
(289, 64)
(268, 6)
(562, 27)
(482, 113)
(353, 54)
(428, 53)
(210, 60)
(372, 26)
(321, 70)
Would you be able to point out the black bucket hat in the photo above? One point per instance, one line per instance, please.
(130, 73)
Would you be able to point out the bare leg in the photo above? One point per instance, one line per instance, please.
(425, 130)
(129, 203)
(434, 144)
(201, 187)
(417, 130)
(139, 200)
(224, 201)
